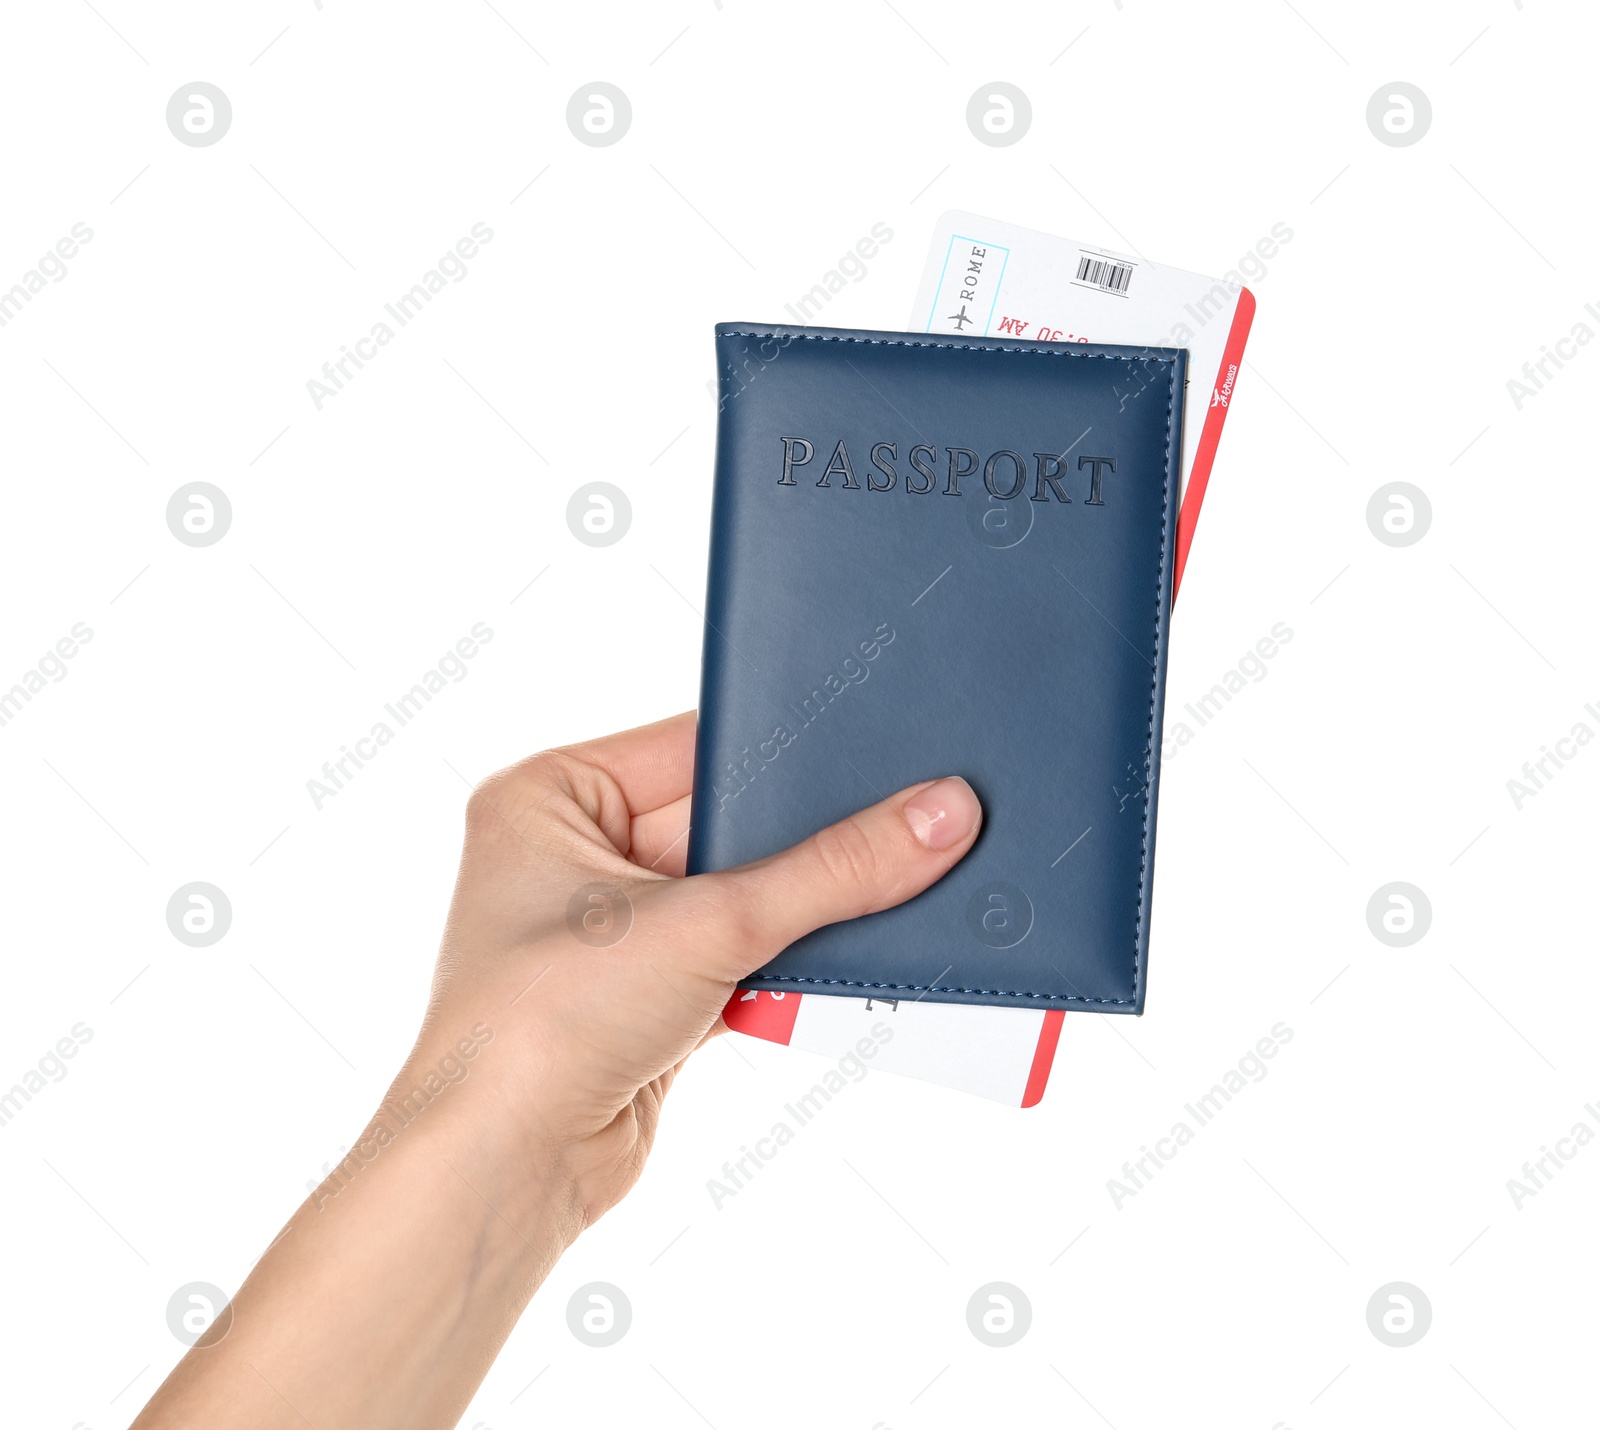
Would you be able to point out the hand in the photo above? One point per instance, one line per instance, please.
(597, 1023)
(532, 1096)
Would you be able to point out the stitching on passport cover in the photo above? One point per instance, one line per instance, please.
(959, 347)
(1150, 728)
(923, 988)
(1150, 723)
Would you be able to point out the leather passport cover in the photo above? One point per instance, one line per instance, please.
(946, 555)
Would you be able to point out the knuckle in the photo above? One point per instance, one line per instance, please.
(847, 856)
(506, 794)
(483, 804)
(549, 770)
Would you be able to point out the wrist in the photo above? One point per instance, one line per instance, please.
(458, 1102)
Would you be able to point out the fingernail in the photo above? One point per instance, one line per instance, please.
(943, 814)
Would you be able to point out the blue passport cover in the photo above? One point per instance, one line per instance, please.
(936, 556)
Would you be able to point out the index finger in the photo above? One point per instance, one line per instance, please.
(653, 764)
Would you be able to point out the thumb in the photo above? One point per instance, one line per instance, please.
(869, 861)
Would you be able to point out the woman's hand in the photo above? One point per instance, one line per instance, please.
(574, 935)
(579, 970)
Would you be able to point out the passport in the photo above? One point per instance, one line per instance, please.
(933, 555)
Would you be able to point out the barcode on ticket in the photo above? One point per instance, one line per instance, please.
(1105, 274)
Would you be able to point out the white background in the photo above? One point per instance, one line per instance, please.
(369, 536)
